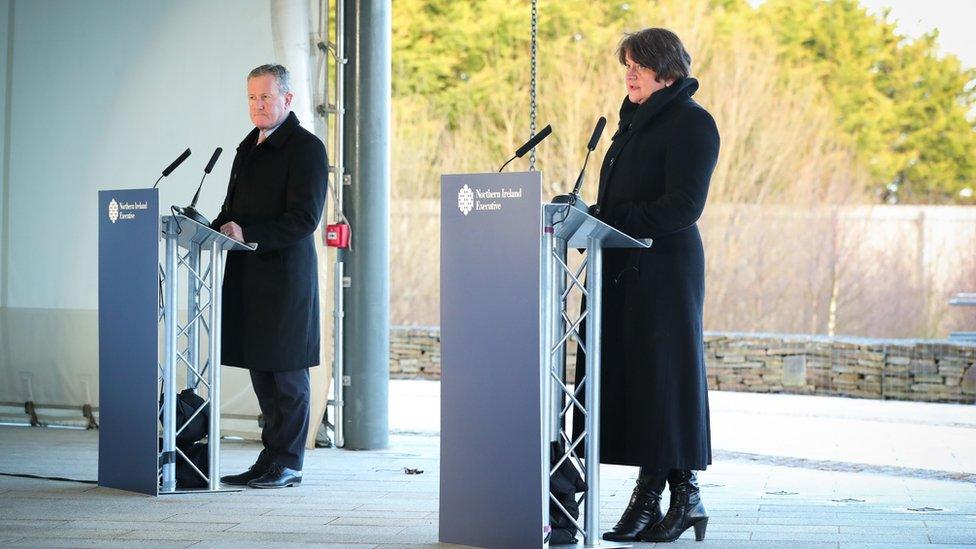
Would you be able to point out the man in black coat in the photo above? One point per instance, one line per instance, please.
(270, 316)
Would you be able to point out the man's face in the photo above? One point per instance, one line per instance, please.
(268, 106)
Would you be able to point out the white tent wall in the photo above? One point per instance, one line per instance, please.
(6, 35)
(103, 95)
(291, 29)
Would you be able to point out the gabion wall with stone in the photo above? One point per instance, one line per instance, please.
(898, 369)
(415, 352)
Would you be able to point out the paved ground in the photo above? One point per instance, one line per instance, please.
(789, 472)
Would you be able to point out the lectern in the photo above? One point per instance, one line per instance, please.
(137, 294)
(505, 324)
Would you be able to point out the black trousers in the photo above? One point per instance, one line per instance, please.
(284, 401)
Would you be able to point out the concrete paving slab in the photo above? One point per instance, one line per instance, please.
(89, 533)
(312, 512)
(967, 537)
(963, 521)
(30, 523)
(149, 526)
(315, 526)
(738, 544)
(383, 521)
(82, 542)
(265, 538)
(837, 537)
(257, 544)
(890, 545)
(841, 522)
(283, 520)
(422, 546)
(241, 544)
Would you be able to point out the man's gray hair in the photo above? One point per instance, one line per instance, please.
(278, 71)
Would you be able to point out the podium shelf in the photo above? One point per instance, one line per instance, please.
(190, 232)
(576, 227)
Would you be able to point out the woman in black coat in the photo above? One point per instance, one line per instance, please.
(653, 184)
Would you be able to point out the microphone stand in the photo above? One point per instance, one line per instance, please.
(573, 199)
(191, 210)
(506, 163)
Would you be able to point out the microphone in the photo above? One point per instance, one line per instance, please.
(169, 169)
(191, 210)
(529, 145)
(573, 198)
(597, 132)
(216, 155)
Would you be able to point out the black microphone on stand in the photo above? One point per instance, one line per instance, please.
(529, 145)
(573, 198)
(191, 210)
(169, 169)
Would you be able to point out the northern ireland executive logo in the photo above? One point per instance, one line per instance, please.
(465, 200)
(124, 211)
(113, 211)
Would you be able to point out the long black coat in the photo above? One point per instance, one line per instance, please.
(653, 184)
(270, 296)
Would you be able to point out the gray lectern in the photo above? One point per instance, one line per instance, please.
(136, 294)
(505, 283)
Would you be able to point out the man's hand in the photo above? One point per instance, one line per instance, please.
(232, 230)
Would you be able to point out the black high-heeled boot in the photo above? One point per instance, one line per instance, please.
(644, 508)
(686, 510)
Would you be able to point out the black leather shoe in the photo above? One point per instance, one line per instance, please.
(242, 479)
(643, 510)
(686, 511)
(277, 476)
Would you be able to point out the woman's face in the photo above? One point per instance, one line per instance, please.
(641, 81)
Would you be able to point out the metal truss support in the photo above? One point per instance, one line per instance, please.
(562, 396)
(184, 347)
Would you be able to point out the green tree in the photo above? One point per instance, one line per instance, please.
(904, 107)
(461, 54)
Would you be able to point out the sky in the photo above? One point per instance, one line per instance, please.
(953, 18)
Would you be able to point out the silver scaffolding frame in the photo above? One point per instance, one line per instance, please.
(187, 245)
(332, 54)
(565, 227)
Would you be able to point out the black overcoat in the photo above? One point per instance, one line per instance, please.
(653, 184)
(270, 296)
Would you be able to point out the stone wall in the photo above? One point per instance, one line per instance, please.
(899, 369)
(415, 352)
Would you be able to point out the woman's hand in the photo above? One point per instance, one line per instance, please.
(232, 230)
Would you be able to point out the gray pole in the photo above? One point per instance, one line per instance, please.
(367, 205)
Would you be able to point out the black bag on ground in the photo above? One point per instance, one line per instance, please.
(564, 485)
(188, 440)
(188, 402)
(186, 477)
(198, 454)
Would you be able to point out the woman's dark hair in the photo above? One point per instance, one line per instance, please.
(659, 50)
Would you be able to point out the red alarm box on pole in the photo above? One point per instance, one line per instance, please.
(337, 235)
